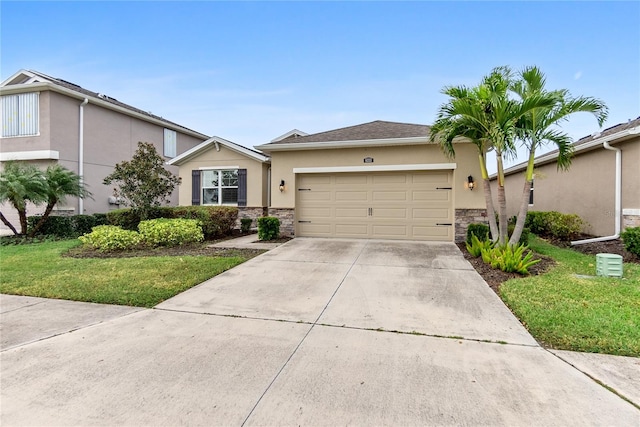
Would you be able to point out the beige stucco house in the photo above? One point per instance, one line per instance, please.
(381, 180)
(47, 120)
(602, 186)
(219, 172)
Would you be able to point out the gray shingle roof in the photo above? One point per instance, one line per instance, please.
(368, 131)
(76, 88)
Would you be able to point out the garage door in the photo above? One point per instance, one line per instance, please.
(415, 205)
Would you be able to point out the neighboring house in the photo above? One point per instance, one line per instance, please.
(219, 172)
(381, 180)
(588, 188)
(48, 120)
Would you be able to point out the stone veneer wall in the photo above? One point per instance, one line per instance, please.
(253, 213)
(286, 217)
(464, 217)
(630, 218)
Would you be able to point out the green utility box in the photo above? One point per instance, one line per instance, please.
(609, 265)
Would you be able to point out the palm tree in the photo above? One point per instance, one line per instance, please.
(535, 128)
(60, 183)
(487, 116)
(21, 183)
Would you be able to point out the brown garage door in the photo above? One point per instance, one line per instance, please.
(415, 205)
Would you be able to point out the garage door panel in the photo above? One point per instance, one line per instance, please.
(315, 212)
(389, 195)
(385, 205)
(389, 231)
(351, 179)
(393, 213)
(352, 195)
(315, 229)
(440, 232)
(315, 196)
(352, 230)
(434, 195)
(351, 213)
(431, 178)
(442, 213)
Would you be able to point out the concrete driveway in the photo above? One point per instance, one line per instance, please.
(315, 332)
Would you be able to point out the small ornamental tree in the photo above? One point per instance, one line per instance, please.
(143, 182)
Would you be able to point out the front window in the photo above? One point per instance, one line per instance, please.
(20, 114)
(219, 187)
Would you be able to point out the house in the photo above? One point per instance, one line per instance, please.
(48, 120)
(381, 180)
(588, 188)
(220, 172)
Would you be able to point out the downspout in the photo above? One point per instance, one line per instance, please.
(269, 187)
(618, 199)
(81, 153)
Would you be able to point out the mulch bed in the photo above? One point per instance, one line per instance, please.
(495, 278)
(199, 249)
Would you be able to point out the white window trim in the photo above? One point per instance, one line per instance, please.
(219, 186)
(174, 151)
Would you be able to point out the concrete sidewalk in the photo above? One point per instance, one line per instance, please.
(318, 332)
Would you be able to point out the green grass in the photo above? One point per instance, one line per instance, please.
(39, 270)
(562, 311)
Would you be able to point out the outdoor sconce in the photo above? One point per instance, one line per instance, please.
(470, 183)
(281, 187)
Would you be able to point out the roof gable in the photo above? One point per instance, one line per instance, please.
(214, 142)
(26, 77)
(367, 131)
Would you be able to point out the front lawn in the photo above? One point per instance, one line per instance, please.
(40, 270)
(565, 311)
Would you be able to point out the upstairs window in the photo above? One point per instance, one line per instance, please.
(170, 143)
(20, 114)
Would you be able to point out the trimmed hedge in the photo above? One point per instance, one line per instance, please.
(129, 218)
(554, 224)
(245, 224)
(67, 226)
(481, 231)
(110, 238)
(268, 228)
(170, 232)
(631, 239)
(217, 221)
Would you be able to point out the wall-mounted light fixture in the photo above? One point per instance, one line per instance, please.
(470, 183)
(281, 187)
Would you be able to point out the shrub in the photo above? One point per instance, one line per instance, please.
(554, 224)
(481, 231)
(217, 221)
(268, 228)
(631, 240)
(170, 232)
(477, 246)
(110, 238)
(129, 218)
(510, 259)
(59, 226)
(245, 224)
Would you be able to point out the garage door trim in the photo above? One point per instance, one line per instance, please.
(377, 168)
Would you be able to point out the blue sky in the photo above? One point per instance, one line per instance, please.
(251, 71)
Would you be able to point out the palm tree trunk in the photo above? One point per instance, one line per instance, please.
(22, 214)
(502, 202)
(486, 184)
(524, 202)
(8, 224)
(45, 215)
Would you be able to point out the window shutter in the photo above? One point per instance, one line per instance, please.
(195, 187)
(242, 187)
